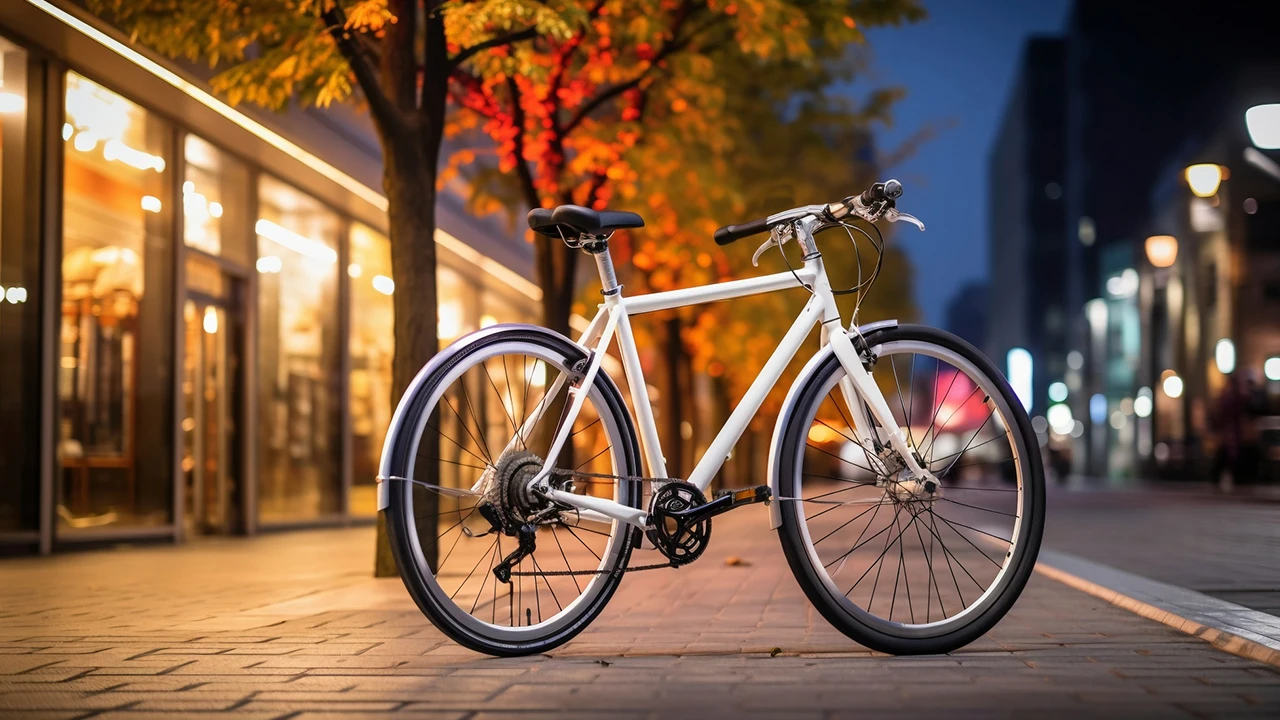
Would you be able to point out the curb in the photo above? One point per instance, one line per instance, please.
(1229, 627)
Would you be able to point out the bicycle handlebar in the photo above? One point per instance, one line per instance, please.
(729, 233)
(867, 205)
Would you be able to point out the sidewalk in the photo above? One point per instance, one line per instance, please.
(290, 625)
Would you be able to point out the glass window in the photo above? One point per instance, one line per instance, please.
(115, 383)
(297, 264)
(215, 200)
(372, 345)
(19, 311)
(499, 307)
(456, 297)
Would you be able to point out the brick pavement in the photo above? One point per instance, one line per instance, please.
(291, 626)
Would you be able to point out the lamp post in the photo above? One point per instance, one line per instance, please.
(1162, 253)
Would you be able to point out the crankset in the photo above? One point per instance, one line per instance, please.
(680, 517)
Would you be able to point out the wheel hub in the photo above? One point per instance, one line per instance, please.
(511, 494)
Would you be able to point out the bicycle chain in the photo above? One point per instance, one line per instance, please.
(578, 474)
(587, 475)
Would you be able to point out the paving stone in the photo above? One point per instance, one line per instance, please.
(290, 625)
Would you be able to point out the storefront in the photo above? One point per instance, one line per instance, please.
(196, 313)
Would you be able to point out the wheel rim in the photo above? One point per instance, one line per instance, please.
(898, 563)
(482, 401)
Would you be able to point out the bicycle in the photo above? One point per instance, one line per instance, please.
(568, 497)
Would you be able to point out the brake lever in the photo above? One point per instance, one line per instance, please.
(784, 230)
(893, 215)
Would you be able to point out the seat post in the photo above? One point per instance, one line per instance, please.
(599, 249)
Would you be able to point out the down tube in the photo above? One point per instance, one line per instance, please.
(728, 436)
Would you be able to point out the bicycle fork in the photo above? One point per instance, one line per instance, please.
(861, 393)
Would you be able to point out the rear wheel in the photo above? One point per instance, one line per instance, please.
(901, 567)
(472, 430)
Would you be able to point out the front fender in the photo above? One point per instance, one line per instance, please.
(785, 416)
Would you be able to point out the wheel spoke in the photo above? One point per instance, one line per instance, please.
(937, 409)
(943, 426)
(953, 525)
(932, 585)
(566, 559)
(847, 522)
(498, 392)
(973, 437)
(975, 447)
(847, 462)
(978, 507)
(947, 551)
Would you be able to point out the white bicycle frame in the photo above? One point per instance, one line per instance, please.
(613, 320)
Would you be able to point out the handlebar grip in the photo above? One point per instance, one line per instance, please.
(729, 233)
(888, 190)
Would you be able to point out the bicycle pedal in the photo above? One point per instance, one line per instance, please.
(742, 496)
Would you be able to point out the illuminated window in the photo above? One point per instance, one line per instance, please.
(372, 345)
(114, 382)
(298, 472)
(214, 201)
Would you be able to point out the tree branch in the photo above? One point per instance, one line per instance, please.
(472, 87)
(676, 45)
(499, 41)
(383, 110)
(527, 185)
(570, 47)
(602, 98)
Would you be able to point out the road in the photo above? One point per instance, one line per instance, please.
(1220, 545)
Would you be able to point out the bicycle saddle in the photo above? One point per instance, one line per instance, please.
(574, 220)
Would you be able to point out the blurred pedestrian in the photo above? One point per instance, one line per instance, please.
(1235, 423)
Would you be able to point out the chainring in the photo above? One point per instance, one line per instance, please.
(680, 541)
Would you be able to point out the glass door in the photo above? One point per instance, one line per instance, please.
(211, 398)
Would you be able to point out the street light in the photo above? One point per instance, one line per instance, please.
(1162, 250)
(1172, 384)
(1204, 179)
(1224, 356)
(1263, 122)
(1142, 403)
(1020, 367)
(1271, 368)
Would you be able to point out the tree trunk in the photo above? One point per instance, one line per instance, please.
(557, 267)
(409, 180)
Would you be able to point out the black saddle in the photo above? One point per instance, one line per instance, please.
(571, 221)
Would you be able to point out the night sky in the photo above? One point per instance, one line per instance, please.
(958, 68)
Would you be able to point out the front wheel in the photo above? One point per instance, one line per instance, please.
(902, 567)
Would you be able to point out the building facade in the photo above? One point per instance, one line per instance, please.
(1164, 286)
(197, 317)
(1026, 299)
